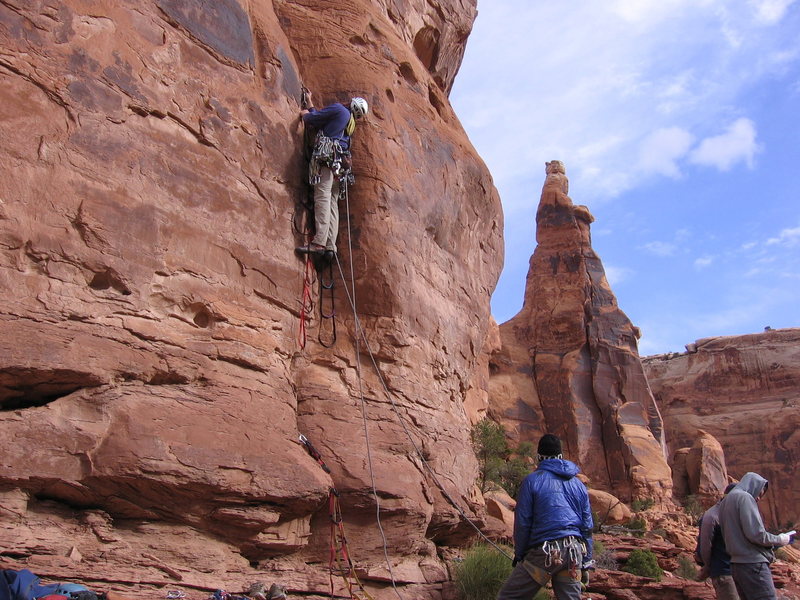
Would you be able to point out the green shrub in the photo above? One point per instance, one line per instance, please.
(686, 568)
(637, 525)
(641, 504)
(643, 563)
(481, 574)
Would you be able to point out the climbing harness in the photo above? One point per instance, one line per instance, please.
(573, 547)
(331, 153)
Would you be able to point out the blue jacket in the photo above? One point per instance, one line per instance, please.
(25, 585)
(331, 121)
(552, 503)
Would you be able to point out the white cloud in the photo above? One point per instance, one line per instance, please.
(616, 275)
(770, 12)
(615, 89)
(723, 151)
(787, 237)
(703, 262)
(660, 151)
(661, 248)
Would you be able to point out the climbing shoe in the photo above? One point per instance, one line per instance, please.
(310, 249)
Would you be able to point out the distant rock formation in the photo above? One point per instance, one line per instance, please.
(700, 471)
(744, 391)
(569, 364)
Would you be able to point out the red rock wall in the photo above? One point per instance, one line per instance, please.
(569, 363)
(743, 391)
(151, 383)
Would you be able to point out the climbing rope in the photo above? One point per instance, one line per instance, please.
(362, 334)
(361, 390)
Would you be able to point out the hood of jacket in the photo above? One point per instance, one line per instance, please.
(559, 466)
(752, 483)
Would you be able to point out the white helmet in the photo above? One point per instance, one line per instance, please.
(359, 108)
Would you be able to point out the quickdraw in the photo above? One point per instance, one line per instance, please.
(339, 562)
(313, 452)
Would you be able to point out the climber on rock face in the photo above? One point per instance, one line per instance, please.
(712, 553)
(329, 166)
(552, 529)
(747, 541)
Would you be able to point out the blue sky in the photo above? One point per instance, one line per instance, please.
(679, 125)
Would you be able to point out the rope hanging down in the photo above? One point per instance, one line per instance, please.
(360, 333)
(361, 394)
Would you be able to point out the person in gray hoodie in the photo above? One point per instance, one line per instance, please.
(747, 541)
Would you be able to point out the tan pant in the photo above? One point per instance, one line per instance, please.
(724, 587)
(326, 209)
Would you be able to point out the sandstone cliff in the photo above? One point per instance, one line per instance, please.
(568, 362)
(151, 383)
(743, 391)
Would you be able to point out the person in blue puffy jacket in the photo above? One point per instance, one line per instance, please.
(552, 529)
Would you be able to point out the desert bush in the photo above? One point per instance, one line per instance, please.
(660, 531)
(643, 563)
(637, 525)
(686, 568)
(481, 573)
(604, 558)
(641, 504)
(692, 506)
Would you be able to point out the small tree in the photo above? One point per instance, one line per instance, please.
(516, 467)
(497, 462)
(491, 448)
(643, 563)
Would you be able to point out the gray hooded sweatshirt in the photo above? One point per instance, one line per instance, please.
(746, 540)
